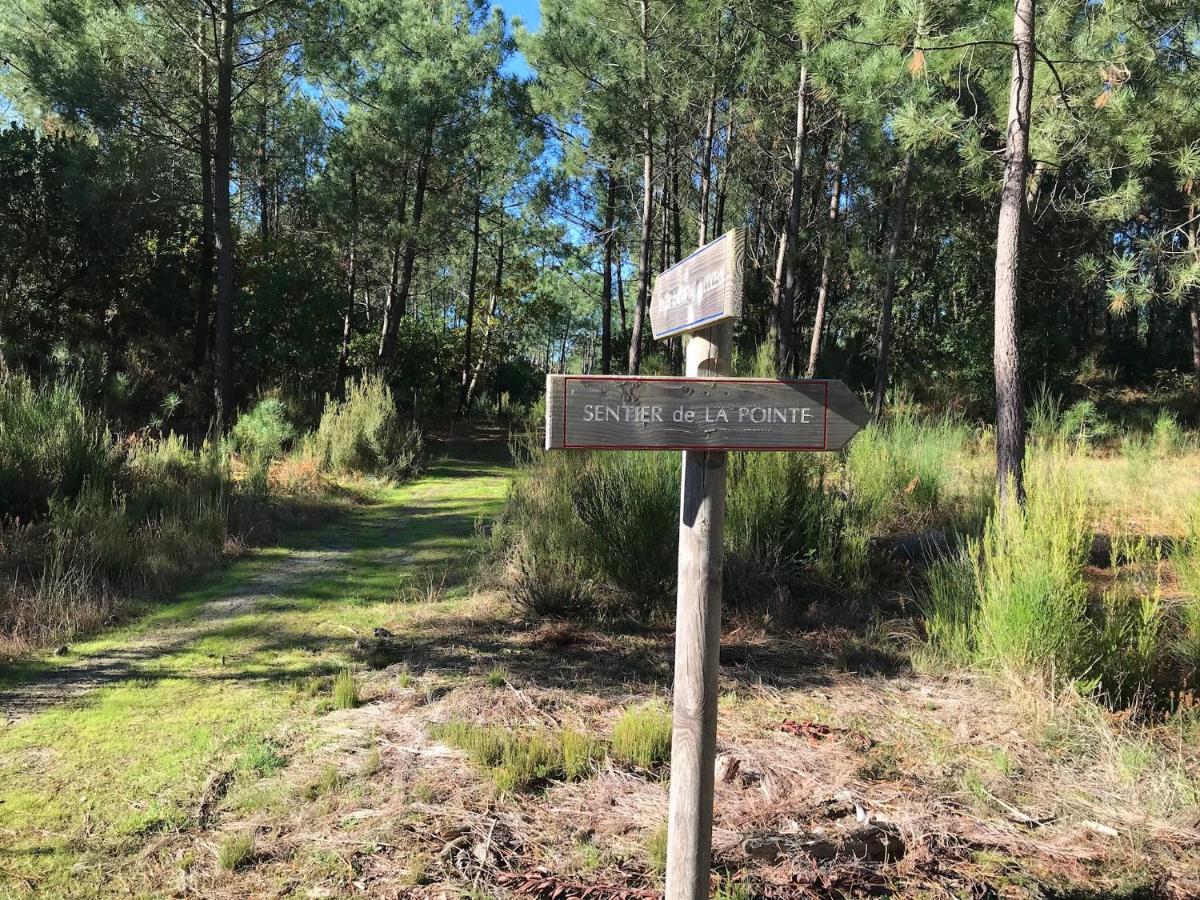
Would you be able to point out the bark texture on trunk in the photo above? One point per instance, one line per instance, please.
(1194, 316)
(493, 306)
(223, 224)
(472, 277)
(1010, 422)
(643, 294)
(889, 288)
(610, 202)
(339, 385)
(397, 307)
(783, 293)
(835, 197)
(264, 202)
(723, 173)
(204, 301)
(706, 165)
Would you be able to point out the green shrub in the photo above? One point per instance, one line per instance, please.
(1167, 436)
(903, 470)
(777, 517)
(642, 736)
(345, 690)
(364, 434)
(1080, 425)
(1029, 573)
(580, 754)
(235, 851)
(165, 477)
(598, 534)
(260, 436)
(949, 606)
(50, 447)
(520, 759)
(626, 501)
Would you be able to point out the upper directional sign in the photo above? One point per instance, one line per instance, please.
(702, 290)
(598, 412)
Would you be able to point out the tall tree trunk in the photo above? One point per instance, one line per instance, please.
(835, 196)
(621, 288)
(1194, 316)
(1010, 423)
(398, 308)
(610, 202)
(351, 285)
(1194, 304)
(393, 287)
(706, 163)
(264, 203)
(487, 331)
(223, 222)
(723, 173)
(643, 294)
(472, 277)
(889, 287)
(562, 352)
(676, 216)
(783, 293)
(207, 240)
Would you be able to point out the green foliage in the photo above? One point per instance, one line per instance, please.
(235, 851)
(1080, 425)
(903, 472)
(642, 736)
(260, 436)
(521, 759)
(1029, 570)
(1167, 435)
(949, 605)
(597, 534)
(50, 447)
(656, 850)
(364, 433)
(345, 690)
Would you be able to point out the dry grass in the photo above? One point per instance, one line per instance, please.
(985, 785)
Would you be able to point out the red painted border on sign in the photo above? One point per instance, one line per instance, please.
(567, 445)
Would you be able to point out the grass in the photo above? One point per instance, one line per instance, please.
(138, 752)
(642, 736)
(345, 690)
(656, 851)
(235, 851)
(522, 759)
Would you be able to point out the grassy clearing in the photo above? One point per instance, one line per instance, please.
(89, 783)
(95, 526)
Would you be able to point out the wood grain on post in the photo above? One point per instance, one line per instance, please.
(697, 644)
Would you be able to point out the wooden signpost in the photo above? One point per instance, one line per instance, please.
(702, 289)
(704, 414)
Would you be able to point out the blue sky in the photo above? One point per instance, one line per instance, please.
(530, 14)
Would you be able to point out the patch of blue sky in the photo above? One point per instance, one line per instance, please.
(530, 14)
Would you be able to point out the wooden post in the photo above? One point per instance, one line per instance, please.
(697, 643)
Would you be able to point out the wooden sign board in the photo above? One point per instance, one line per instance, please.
(701, 290)
(598, 412)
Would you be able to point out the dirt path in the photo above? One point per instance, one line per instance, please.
(381, 527)
(75, 677)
